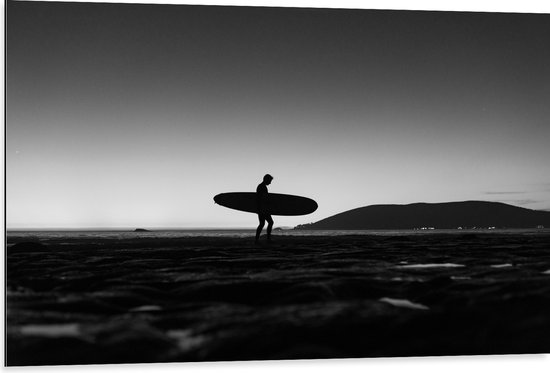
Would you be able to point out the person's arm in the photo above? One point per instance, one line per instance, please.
(261, 194)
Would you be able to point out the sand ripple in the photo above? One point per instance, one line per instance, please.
(145, 299)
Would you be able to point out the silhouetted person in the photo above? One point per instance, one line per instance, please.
(263, 208)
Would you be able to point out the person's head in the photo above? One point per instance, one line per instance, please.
(267, 179)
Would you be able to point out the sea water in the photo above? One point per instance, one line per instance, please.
(47, 235)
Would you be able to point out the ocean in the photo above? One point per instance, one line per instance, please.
(55, 234)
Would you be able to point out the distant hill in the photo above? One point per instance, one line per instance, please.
(448, 215)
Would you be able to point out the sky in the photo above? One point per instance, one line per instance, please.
(132, 115)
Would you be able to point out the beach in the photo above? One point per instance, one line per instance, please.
(144, 297)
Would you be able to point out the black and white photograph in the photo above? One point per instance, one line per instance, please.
(190, 183)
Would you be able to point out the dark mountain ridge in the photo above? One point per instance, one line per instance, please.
(448, 215)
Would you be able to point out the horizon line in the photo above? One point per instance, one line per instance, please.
(131, 229)
(124, 228)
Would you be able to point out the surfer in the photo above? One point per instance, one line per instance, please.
(263, 211)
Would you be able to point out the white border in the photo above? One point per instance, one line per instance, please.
(524, 6)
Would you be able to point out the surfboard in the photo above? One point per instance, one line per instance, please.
(278, 204)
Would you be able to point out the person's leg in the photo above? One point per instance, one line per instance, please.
(261, 219)
(269, 226)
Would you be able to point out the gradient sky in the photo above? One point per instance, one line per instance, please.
(137, 115)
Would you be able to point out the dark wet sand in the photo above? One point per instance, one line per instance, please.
(203, 299)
